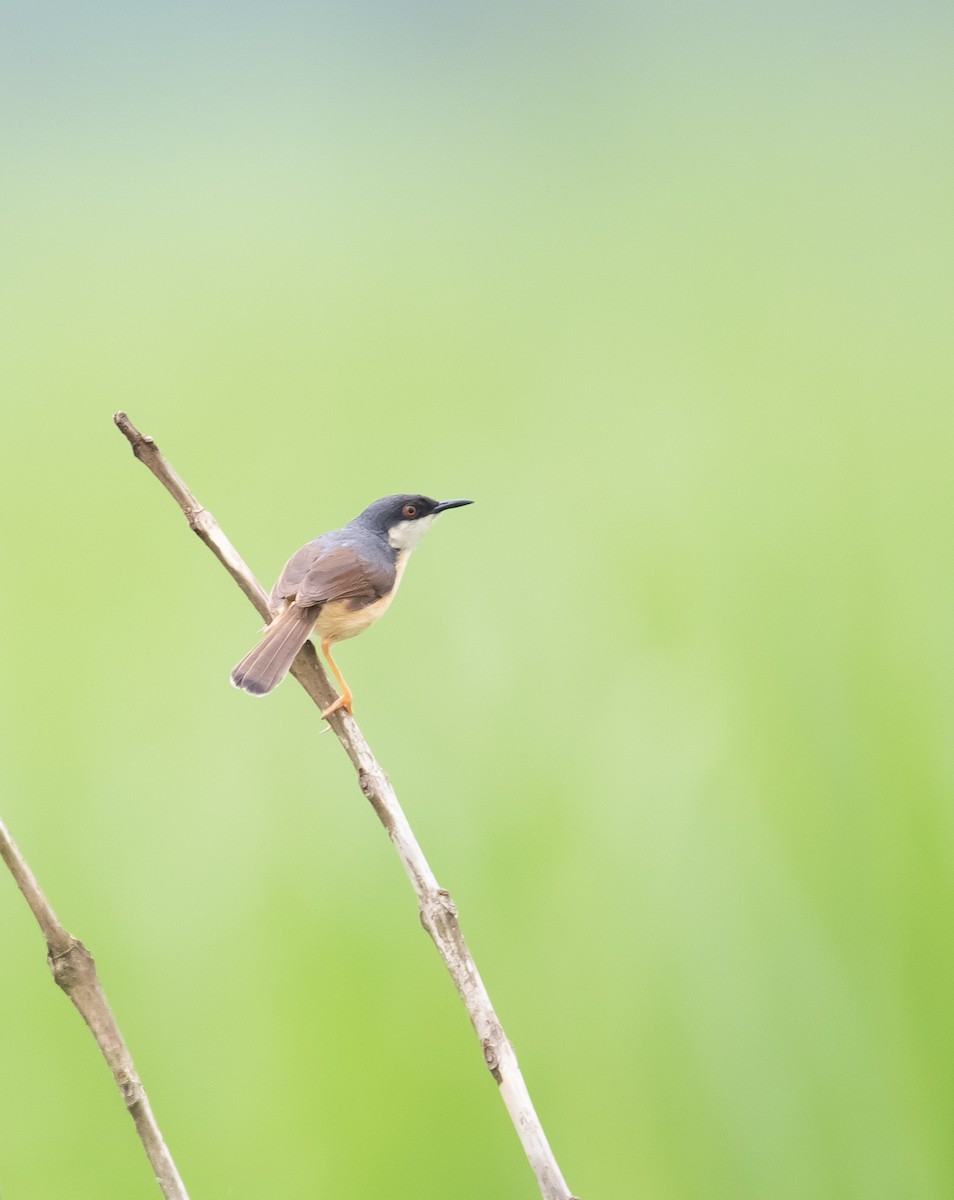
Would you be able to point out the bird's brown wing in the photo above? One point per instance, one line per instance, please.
(293, 572)
(316, 575)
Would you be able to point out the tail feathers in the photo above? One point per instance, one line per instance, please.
(267, 665)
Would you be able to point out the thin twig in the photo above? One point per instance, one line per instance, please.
(74, 970)
(438, 913)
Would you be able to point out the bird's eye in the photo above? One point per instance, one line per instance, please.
(409, 511)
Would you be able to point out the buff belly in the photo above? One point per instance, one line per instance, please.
(337, 621)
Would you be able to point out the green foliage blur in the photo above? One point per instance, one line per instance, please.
(667, 291)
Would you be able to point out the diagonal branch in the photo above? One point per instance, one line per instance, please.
(75, 972)
(438, 913)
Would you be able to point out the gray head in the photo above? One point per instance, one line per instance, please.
(405, 518)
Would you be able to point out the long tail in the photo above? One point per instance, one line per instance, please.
(267, 665)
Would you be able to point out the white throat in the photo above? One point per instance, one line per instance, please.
(405, 535)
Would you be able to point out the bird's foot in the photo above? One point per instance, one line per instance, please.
(342, 702)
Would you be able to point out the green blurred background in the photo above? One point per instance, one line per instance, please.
(667, 290)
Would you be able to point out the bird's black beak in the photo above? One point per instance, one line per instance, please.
(450, 504)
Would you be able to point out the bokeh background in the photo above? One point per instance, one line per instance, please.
(667, 290)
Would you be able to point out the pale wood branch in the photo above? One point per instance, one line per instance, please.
(74, 971)
(437, 910)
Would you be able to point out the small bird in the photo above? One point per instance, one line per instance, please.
(338, 585)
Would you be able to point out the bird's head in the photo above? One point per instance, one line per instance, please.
(405, 518)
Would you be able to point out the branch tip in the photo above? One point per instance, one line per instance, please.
(136, 439)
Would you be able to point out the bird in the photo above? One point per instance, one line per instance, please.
(337, 586)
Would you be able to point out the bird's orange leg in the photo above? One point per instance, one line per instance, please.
(344, 700)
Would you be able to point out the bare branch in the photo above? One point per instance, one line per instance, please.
(438, 913)
(74, 970)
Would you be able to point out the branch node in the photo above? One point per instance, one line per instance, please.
(439, 915)
(132, 1091)
(70, 966)
(490, 1058)
(199, 521)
